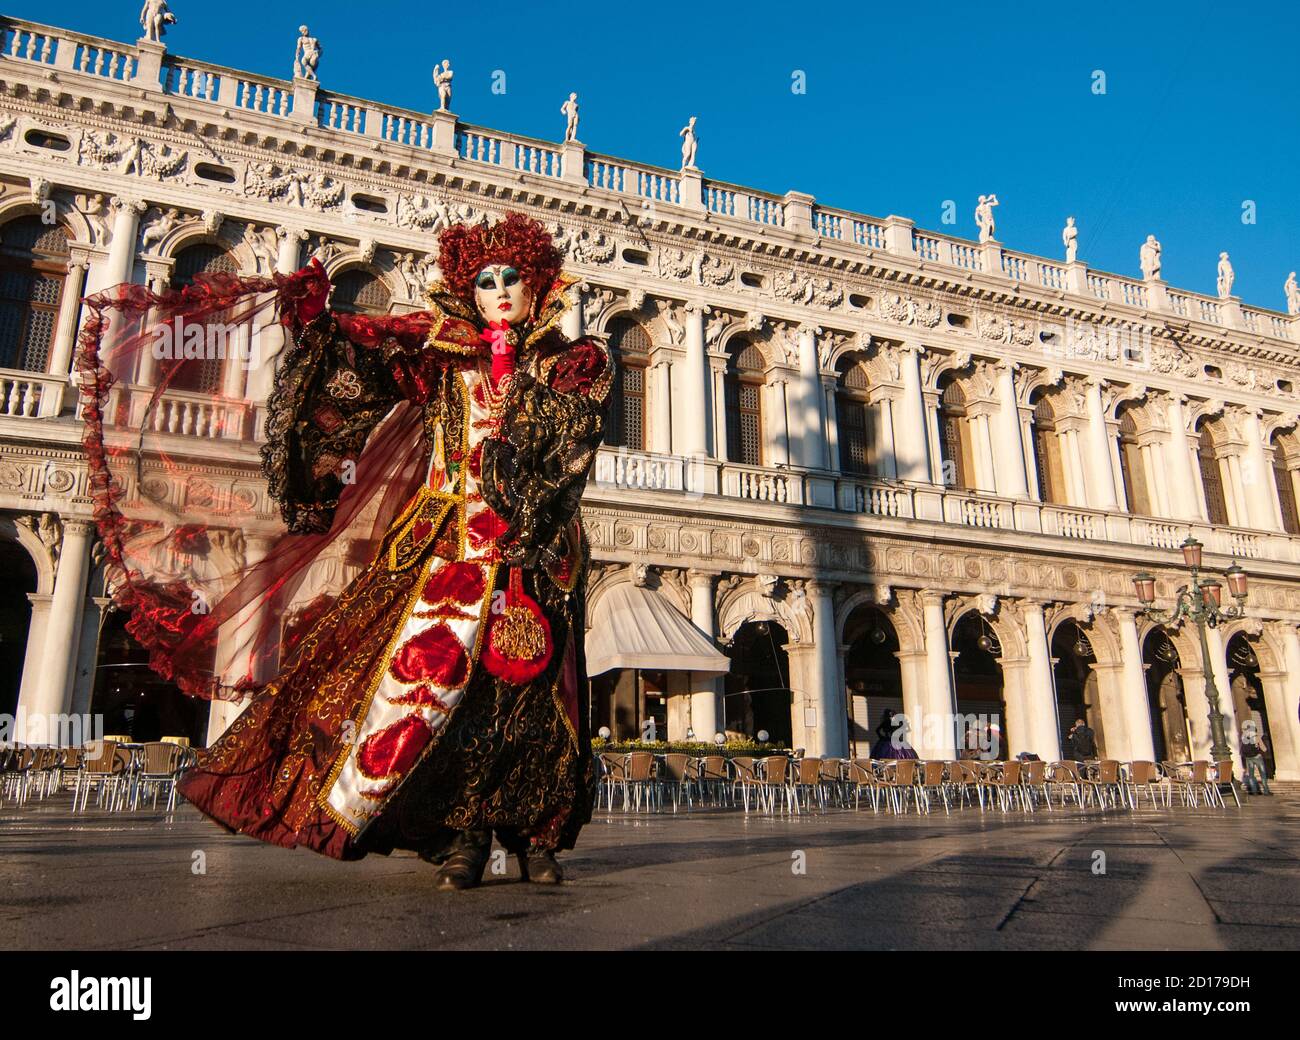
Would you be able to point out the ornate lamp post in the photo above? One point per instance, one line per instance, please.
(1200, 602)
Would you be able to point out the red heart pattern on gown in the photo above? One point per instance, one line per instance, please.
(457, 582)
(484, 528)
(420, 531)
(435, 656)
(394, 749)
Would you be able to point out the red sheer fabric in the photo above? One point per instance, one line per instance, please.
(177, 523)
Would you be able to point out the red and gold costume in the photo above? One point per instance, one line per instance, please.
(440, 691)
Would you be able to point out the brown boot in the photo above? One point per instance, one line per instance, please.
(540, 868)
(464, 867)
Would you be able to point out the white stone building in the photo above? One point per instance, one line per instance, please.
(881, 467)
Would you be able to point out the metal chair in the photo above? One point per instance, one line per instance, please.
(641, 779)
(714, 780)
(160, 770)
(681, 773)
(106, 772)
(861, 776)
(776, 776)
(809, 783)
(933, 780)
(744, 779)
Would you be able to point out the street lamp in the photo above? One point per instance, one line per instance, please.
(1201, 602)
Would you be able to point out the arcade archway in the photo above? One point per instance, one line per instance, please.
(978, 688)
(1077, 695)
(15, 620)
(757, 695)
(1170, 735)
(872, 674)
(1248, 693)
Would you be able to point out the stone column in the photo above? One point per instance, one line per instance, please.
(705, 691)
(121, 249)
(1040, 696)
(1137, 706)
(776, 431)
(807, 422)
(1261, 500)
(1181, 463)
(1102, 483)
(830, 736)
(65, 336)
(29, 689)
(83, 684)
(831, 429)
(1282, 698)
(571, 322)
(986, 469)
(1013, 479)
(912, 436)
(936, 738)
(661, 429)
(695, 387)
(52, 694)
(120, 263)
(886, 451)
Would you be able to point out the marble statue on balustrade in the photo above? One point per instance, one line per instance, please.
(984, 217)
(442, 75)
(154, 19)
(689, 144)
(1149, 258)
(1292, 291)
(570, 112)
(1070, 236)
(1226, 276)
(306, 55)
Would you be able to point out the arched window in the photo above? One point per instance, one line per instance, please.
(1285, 487)
(1047, 455)
(859, 452)
(33, 266)
(202, 375)
(1131, 468)
(1216, 505)
(630, 345)
(744, 389)
(954, 442)
(360, 292)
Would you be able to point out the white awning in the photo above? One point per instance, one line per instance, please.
(637, 628)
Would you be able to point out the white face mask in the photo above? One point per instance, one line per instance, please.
(501, 294)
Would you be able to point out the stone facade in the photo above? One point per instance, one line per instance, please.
(830, 420)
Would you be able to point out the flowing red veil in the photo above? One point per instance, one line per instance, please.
(177, 524)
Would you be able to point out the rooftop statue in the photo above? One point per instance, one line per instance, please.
(1226, 276)
(1149, 258)
(984, 217)
(689, 144)
(1070, 236)
(442, 79)
(306, 56)
(154, 19)
(570, 111)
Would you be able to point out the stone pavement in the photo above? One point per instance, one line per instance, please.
(1178, 879)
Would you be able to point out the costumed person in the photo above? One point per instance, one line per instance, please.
(891, 737)
(435, 699)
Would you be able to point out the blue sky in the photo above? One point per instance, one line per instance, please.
(906, 105)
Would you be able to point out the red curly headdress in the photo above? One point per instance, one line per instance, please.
(518, 240)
